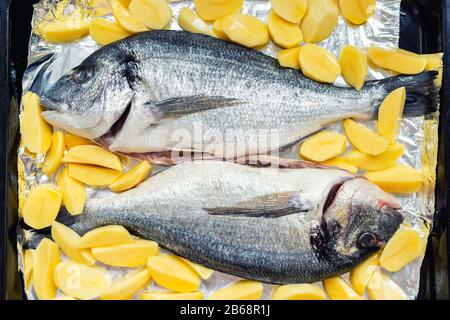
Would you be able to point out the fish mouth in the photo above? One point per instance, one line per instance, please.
(53, 105)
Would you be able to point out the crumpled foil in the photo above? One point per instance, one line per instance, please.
(47, 62)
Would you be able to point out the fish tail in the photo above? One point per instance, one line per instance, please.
(422, 92)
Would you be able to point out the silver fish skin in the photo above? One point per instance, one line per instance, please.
(267, 224)
(176, 91)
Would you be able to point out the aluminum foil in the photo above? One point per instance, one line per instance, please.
(47, 62)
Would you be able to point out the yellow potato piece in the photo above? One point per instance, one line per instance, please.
(154, 14)
(160, 295)
(290, 10)
(130, 255)
(125, 19)
(28, 257)
(218, 31)
(354, 66)
(341, 163)
(202, 271)
(126, 288)
(172, 273)
(105, 32)
(364, 139)
(132, 178)
(42, 207)
(210, 10)
(390, 114)
(105, 236)
(55, 154)
(73, 192)
(283, 33)
(399, 178)
(245, 30)
(188, 20)
(299, 292)
(93, 155)
(81, 281)
(397, 61)
(360, 276)
(46, 257)
(73, 141)
(323, 146)
(381, 287)
(382, 161)
(93, 175)
(338, 289)
(404, 247)
(65, 31)
(357, 11)
(67, 239)
(320, 20)
(319, 64)
(36, 133)
(240, 290)
(289, 58)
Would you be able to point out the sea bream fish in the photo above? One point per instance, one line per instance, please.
(163, 91)
(296, 224)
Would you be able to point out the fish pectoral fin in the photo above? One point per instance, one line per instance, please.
(269, 206)
(180, 106)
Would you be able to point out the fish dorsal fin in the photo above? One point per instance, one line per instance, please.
(180, 106)
(269, 206)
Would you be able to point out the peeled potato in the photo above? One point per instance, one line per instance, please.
(210, 10)
(65, 31)
(73, 192)
(188, 20)
(218, 31)
(105, 32)
(397, 179)
(162, 295)
(404, 247)
(132, 178)
(397, 61)
(125, 19)
(320, 20)
(299, 292)
(354, 66)
(390, 114)
(360, 276)
(240, 290)
(80, 281)
(283, 33)
(364, 139)
(357, 11)
(105, 236)
(134, 254)
(67, 239)
(55, 154)
(341, 163)
(28, 257)
(381, 287)
(289, 58)
(96, 155)
(42, 207)
(202, 271)
(172, 273)
(93, 175)
(382, 161)
(36, 133)
(126, 288)
(73, 141)
(338, 289)
(323, 146)
(154, 14)
(245, 30)
(290, 10)
(319, 64)
(46, 257)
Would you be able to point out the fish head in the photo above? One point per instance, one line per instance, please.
(359, 218)
(91, 97)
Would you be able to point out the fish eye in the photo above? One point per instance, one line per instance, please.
(368, 240)
(81, 75)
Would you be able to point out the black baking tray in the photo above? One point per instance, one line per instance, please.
(425, 28)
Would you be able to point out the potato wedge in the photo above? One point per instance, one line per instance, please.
(55, 154)
(338, 289)
(66, 30)
(42, 207)
(357, 11)
(245, 30)
(299, 292)
(163, 295)
(390, 114)
(381, 287)
(354, 66)
(360, 276)
(125, 19)
(28, 256)
(290, 10)
(289, 58)
(72, 140)
(364, 139)
(93, 175)
(134, 254)
(95, 155)
(382, 161)
(73, 192)
(323, 146)
(218, 31)
(210, 10)
(202, 271)
(399, 178)
(154, 14)
(126, 288)
(132, 178)
(397, 61)
(319, 21)
(188, 20)
(46, 258)
(105, 236)
(341, 163)
(240, 290)
(105, 32)
(319, 64)
(283, 33)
